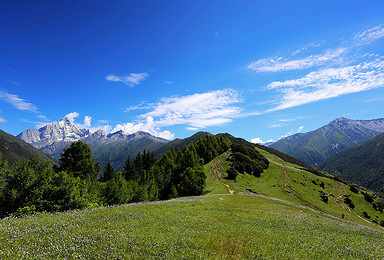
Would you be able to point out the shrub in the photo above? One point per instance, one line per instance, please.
(232, 173)
(354, 189)
(368, 198)
(324, 197)
(24, 211)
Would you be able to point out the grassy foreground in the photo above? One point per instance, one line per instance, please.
(215, 227)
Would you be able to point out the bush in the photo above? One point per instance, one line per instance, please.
(368, 198)
(324, 197)
(349, 203)
(354, 189)
(365, 214)
(232, 174)
(25, 211)
(382, 223)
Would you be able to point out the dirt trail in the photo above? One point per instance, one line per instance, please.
(217, 170)
(287, 180)
(338, 199)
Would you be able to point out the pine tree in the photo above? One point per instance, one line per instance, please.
(109, 172)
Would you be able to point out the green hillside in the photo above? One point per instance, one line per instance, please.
(283, 214)
(289, 182)
(316, 146)
(363, 164)
(14, 149)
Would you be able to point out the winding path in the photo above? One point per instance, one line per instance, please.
(216, 169)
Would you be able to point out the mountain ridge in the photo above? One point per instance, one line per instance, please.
(14, 149)
(315, 146)
(54, 137)
(362, 164)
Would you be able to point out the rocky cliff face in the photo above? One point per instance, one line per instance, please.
(62, 132)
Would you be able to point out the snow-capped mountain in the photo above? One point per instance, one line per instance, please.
(63, 132)
(53, 138)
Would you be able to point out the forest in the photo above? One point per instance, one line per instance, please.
(77, 182)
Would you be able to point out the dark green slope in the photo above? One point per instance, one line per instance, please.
(117, 153)
(178, 143)
(316, 146)
(363, 164)
(14, 149)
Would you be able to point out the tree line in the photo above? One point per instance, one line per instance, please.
(33, 185)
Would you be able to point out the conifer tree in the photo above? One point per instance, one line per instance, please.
(109, 172)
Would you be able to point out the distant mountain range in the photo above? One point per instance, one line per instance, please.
(114, 147)
(363, 164)
(14, 149)
(316, 146)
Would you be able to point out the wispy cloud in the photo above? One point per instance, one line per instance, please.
(198, 111)
(142, 106)
(2, 120)
(131, 80)
(275, 126)
(370, 35)
(195, 111)
(329, 83)
(14, 83)
(281, 64)
(148, 125)
(18, 102)
(338, 71)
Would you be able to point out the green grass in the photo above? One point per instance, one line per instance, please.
(215, 227)
(302, 190)
(212, 186)
(283, 223)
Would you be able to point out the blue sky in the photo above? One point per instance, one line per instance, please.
(259, 70)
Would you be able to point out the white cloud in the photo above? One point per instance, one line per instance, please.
(71, 116)
(300, 129)
(147, 126)
(333, 55)
(258, 140)
(329, 83)
(275, 126)
(369, 35)
(192, 128)
(131, 80)
(143, 105)
(198, 110)
(103, 121)
(281, 64)
(287, 120)
(18, 102)
(87, 121)
(2, 120)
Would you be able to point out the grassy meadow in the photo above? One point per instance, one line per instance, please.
(286, 220)
(216, 227)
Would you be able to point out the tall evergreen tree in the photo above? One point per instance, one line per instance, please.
(78, 161)
(109, 172)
